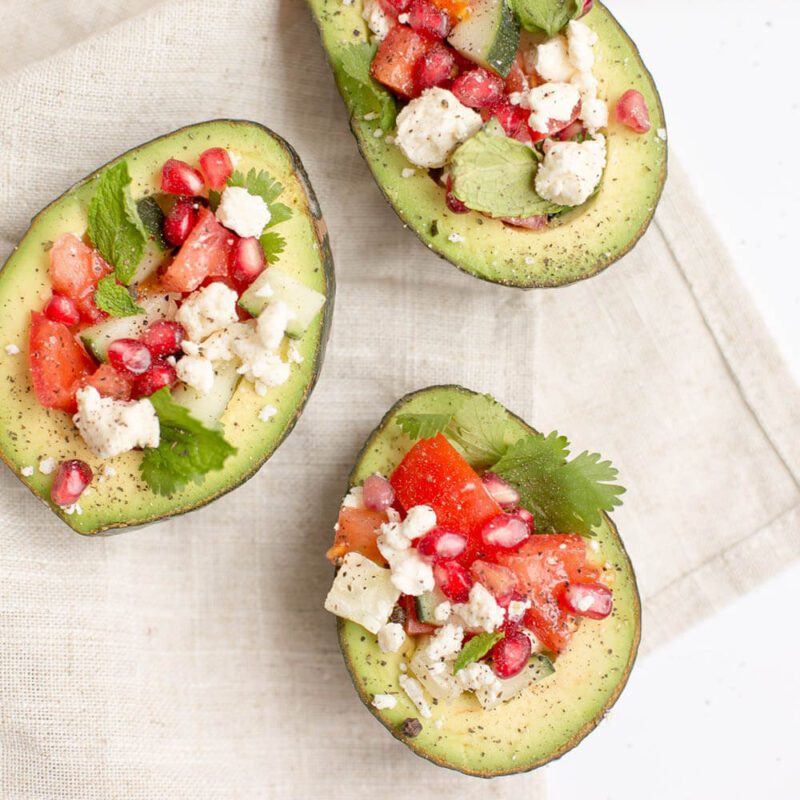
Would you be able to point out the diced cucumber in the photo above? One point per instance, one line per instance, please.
(210, 407)
(441, 685)
(99, 337)
(274, 284)
(156, 250)
(489, 36)
(152, 258)
(539, 667)
(426, 606)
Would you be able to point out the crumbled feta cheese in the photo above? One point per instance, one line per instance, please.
(482, 610)
(517, 609)
(384, 701)
(455, 238)
(12, 350)
(476, 676)
(443, 611)
(413, 689)
(246, 214)
(208, 310)
(47, 466)
(377, 19)
(295, 356)
(662, 134)
(267, 413)
(110, 427)
(571, 171)
(581, 39)
(354, 498)
(411, 574)
(220, 345)
(190, 348)
(408, 172)
(74, 508)
(391, 540)
(550, 101)
(432, 125)
(261, 366)
(419, 521)
(271, 325)
(594, 113)
(109, 471)
(552, 61)
(586, 84)
(403, 19)
(445, 644)
(391, 637)
(197, 372)
(27, 471)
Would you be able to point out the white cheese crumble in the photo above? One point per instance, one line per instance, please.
(408, 172)
(377, 19)
(581, 39)
(432, 125)
(455, 238)
(354, 498)
(295, 356)
(391, 637)
(244, 213)
(662, 134)
(110, 427)
(411, 574)
(443, 611)
(12, 350)
(47, 466)
(197, 372)
(571, 171)
(271, 325)
(267, 413)
(27, 471)
(208, 310)
(476, 676)
(517, 609)
(445, 644)
(550, 101)
(482, 610)
(551, 60)
(419, 521)
(413, 689)
(384, 701)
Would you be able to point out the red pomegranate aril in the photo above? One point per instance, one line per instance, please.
(455, 205)
(505, 531)
(179, 221)
(163, 337)
(72, 478)
(161, 374)
(178, 177)
(586, 8)
(453, 580)
(572, 130)
(514, 120)
(632, 111)
(502, 491)
(442, 545)
(478, 88)
(247, 261)
(217, 167)
(434, 68)
(511, 654)
(426, 18)
(378, 493)
(129, 355)
(396, 6)
(60, 308)
(591, 600)
(524, 516)
(536, 223)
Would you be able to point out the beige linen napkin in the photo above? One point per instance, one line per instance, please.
(192, 659)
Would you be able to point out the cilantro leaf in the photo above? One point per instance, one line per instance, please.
(279, 213)
(366, 94)
(423, 426)
(188, 450)
(115, 228)
(476, 648)
(273, 244)
(550, 16)
(562, 495)
(258, 183)
(115, 299)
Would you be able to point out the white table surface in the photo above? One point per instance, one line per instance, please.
(716, 714)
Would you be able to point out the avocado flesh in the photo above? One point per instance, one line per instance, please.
(29, 432)
(548, 718)
(580, 243)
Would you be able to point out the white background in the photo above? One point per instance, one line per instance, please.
(716, 713)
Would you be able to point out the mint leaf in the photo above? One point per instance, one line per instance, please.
(550, 16)
(423, 426)
(115, 299)
(564, 496)
(363, 91)
(273, 244)
(495, 174)
(188, 450)
(115, 228)
(476, 648)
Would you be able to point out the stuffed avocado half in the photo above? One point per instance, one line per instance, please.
(163, 324)
(472, 193)
(484, 683)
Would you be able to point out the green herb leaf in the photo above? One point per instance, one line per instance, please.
(273, 244)
(152, 218)
(564, 496)
(115, 299)
(495, 174)
(279, 213)
(549, 16)
(366, 94)
(259, 183)
(115, 228)
(188, 450)
(213, 199)
(423, 426)
(476, 648)
(480, 431)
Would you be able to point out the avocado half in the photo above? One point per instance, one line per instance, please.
(550, 717)
(29, 432)
(586, 240)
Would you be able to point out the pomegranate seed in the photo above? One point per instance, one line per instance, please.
(70, 481)
(530, 223)
(177, 177)
(505, 531)
(217, 167)
(511, 654)
(453, 580)
(570, 132)
(396, 6)
(441, 544)
(247, 261)
(129, 355)
(632, 111)
(434, 68)
(478, 88)
(179, 221)
(523, 515)
(426, 18)
(61, 308)
(378, 493)
(591, 600)
(587, 7)
(161, 374)
(455, 205)
(502, 491)
(163, 337)
(514, 120)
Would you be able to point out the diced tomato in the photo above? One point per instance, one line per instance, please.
(514, 120)
(217, 167)
(556, 125)
(90, 313)
(393, 65)
(499, 580)
(517, 80)
(75, 268)
(57, 363)
(434, 473)
(412, 624)
(108, 382)
(551, 625)
(358, 532)
(395, 7)
(204, 253)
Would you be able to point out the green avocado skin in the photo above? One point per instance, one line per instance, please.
(584, 241)
(547, 719)
(29, 433)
